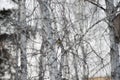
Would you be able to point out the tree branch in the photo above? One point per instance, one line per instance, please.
(118, 5)
(96, 4)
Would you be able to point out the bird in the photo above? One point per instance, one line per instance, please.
(59, 42)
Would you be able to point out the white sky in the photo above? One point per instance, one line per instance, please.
(7, 4)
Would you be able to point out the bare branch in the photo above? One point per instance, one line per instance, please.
(96, 4)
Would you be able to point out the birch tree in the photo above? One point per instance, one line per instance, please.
(114, 47)
(46, 24)
(23, 40)
(111, 12)
(64, 48)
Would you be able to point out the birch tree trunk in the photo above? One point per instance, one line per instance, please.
(46, 24)
(114, 47)
(80, 15)
(64, 67)
(75, 67)
(41, 72)
(110, 11)
(65, 57)
(42, 59)
(23, 40)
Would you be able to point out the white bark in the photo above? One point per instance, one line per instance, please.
(23, 40)
(114, 47)
(41, 72)
(17, 61)
(64, 54)
(46, 24)
(75, 67)
(79, 15)
(65, 67)
(42, 59)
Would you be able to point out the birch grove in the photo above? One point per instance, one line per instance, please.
(59, 40)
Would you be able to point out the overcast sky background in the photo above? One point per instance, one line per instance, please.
(7, 4)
